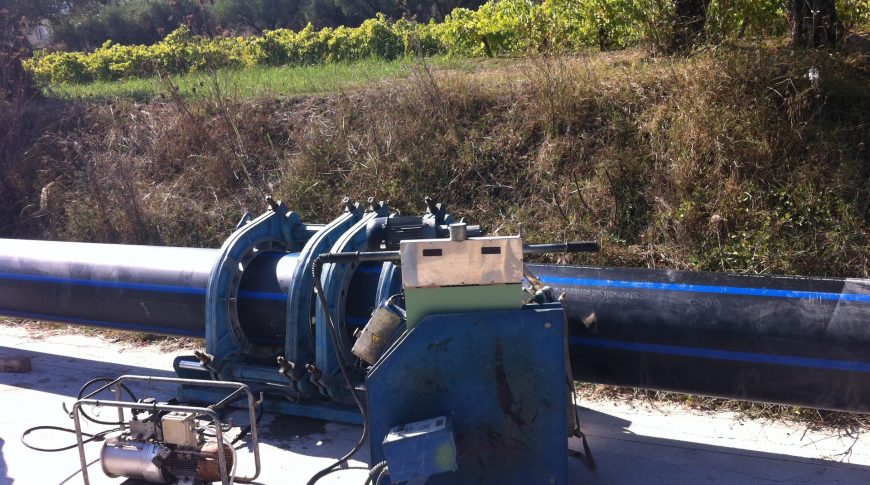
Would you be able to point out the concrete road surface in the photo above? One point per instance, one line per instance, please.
(631, 443)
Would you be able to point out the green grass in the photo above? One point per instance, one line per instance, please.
(262, 81)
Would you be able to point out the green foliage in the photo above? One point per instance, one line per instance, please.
(497, 28)
(58, 67)
(179, 52)
(855, 14)
(738, 18)
(87, 24)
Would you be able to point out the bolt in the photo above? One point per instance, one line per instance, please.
(431, 205)
(272, 203)
(547, 324)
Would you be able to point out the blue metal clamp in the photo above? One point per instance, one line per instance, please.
(277, 230)
(336, 279)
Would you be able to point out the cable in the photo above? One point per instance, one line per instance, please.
(247, 429)
(316, 268)
(91, 437)
(376, 473)
(82, 393)
(382, 474)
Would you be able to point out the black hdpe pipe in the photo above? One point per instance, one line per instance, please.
(791, 340)
(148, 289)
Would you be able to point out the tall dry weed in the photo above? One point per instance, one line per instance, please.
(732, 161)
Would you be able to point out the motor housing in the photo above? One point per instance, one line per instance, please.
(165, 449)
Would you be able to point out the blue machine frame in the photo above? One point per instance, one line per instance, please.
(499, 376)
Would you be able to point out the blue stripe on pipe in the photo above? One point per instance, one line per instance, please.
(786, 360)
(257, 295)
(123, 285)
(263, 295)
(722, 290)
(145, 328)
(369, 269)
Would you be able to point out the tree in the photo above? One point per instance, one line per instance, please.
(259, 15)
(17, 17)
(688, 27)
(814, 23)
(422, 10)
(129, 22)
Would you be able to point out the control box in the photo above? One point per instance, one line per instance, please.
(420, 449)
(179, 429)
(469, 275)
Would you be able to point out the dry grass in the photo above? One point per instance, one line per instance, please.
(37, 330)
(724, 161)
(813, 419)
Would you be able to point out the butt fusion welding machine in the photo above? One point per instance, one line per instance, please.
(443, 343)
(427, 336)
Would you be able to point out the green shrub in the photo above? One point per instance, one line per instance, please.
(855, 14)
(738, 18)
(59, 67)
(497, 28)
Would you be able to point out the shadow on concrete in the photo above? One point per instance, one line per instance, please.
(621, 456)
(64, 376)
(4, 477)
(625, 457)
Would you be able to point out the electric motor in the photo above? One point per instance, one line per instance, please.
(173, 451)
(157, 463)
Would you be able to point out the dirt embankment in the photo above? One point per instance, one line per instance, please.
(753, 160)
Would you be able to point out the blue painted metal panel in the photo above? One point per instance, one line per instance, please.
(325, 410)
(499, 376)
(262, 379)
(421, 449)
(389, 283)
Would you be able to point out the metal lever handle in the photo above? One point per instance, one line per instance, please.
(364, 256)
(571, 247)
(359, 257)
